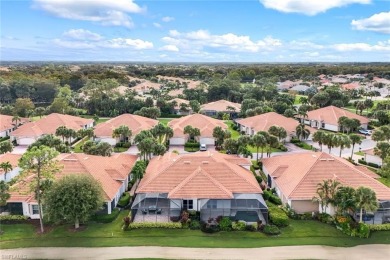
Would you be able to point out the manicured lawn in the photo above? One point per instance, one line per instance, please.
(235, 134)
(300, 232)
(77, 147)
(304, 145)
(385, 181)
(101, 119)
(120, 149)
(253, 149)
(164, 121)
(297, 97)
(191, 149)
(359, 153)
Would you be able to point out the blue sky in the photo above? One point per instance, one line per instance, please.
(196, 31)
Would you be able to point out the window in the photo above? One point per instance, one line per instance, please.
(188, 204)
(35, 209)
(211, 204)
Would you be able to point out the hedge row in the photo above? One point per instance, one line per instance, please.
(379, 227)
(192, 145)
(277, 216)
(12, 218)
(124, 200)
(374, 165)
(168, 225)
(268, 195)
(271, 230)
(106, 218)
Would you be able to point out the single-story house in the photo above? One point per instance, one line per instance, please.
(177, 108)
(112, 173)
(13, 159)
(103, 131)
(254, 124)
(205, 124)
(327, 118)
(7, 125)
(213, 184)
(223, 106)
(32, 131)
(296, 176)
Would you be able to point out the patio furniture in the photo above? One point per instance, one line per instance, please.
(144, 211)
(386, 219)
(158, 211)
(152, 209)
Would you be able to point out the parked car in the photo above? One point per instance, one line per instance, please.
(365, 132)
(203, 147)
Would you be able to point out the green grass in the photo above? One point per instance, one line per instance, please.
(101, 120)
(120, 149)
(304, 145)
(385, 181)
(297, 97)
(164, 121)
(77, 147)
(191, 149)
(254, 150)
(234, 134)
(300, 232)
(359, 153)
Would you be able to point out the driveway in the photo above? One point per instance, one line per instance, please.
(377, 252)
(180, 148)
(20, 149)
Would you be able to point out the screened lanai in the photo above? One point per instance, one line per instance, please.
(155, 207)
(381, 216)
(245, 207)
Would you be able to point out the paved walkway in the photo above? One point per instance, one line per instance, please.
(377, 252)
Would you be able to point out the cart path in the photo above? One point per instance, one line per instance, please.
(377, 252)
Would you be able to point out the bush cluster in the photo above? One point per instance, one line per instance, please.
(349, 227)
(239, 225)
(225, 224)
(123, 144)
(124, 200)
(374, 165)
(325, 218)
(12, 218)
(194, 224)
(271, 230)
(192, 145)
(268, 195)
(379, 227)
(277, 216)
(168, 225)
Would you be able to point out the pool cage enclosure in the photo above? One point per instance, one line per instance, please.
(157, 207)
(381, 216)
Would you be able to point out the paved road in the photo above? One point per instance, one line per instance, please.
(377, 252)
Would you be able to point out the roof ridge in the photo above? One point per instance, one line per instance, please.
(230, 166)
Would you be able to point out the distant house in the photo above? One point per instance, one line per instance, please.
(7, 126)
(327, 118)
(30, 132)
(177, 109)
(263, 122)
(112, 173)
(220, 106)
(103, 131)
(205, 124)
(13, 159)
(300, 88)
(212, 183)
(295, 178)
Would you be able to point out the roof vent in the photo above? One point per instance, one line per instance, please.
(323, 159)
(205, 162)
(187, 162)
(330, 159)
(85, 158)
(70, 160)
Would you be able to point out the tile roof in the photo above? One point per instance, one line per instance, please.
(6, 122)
(198, 175)
(220, 106)
(331, 115)
(109, 171)
(49, 125)
(205, 124)
(179, 101)
(264, 121)
(13, 159)
(135, 123)
(297, 175)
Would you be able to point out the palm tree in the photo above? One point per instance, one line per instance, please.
(61, 131)
(6, 167)
(343, 142)
(39, 111)
(193, 132)
(345, 199)
(278, 131)
(365, 200)
(326, 192)
(302, 132)
(355, 139)
(258, 140)
(319, 137)
(122, 132)
(16, 120)
(330, 140)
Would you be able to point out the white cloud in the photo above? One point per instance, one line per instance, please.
(198, 40)
(365, 47)
(308, 7)
(169, 47)
(74, 44)
(136, 44)
(167, 19)
(157, 25)
(378, 23)
(114, 12)
(81, 34)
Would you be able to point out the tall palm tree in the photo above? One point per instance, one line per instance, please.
(365, 200)
(278, 131)
(355, 139)
(61, 131)
(6, 167)
(258, 140)
(343, 142)
(326, 191)
(16, 120)
(330, 140)
(319, 137)
(302, 132)
(345, 199)
(122, 132)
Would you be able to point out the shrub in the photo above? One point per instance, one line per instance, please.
(126, 145)
(373, 165)
(209, 228)
(361, 161)
(167, 225)
(283, 148)
(271, 230)
(9, 219)
(124, 200)
(325, 218)
(126, 222)
(379, 227)
(277, 216)
(268, 195)
(106, 218)
(192, 145)
(225, 224)
(295, 140)
(184, 217)
(363, 231)
(239, 225)
(195, 224)
(251, 228)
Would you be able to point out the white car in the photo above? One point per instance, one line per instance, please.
(203, 147)
(365, 132)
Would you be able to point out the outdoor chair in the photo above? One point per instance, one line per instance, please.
(158, 211)
(144, 211)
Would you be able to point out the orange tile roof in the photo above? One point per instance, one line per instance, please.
(351, 86)
(49, 125)
(198, 175)
(13, 159)
(135, 123)
(331, 115)
(220, 106)
(297, 175)
(179, 101)
(205, 124)
(108, 171)
(264, 121)
(6, 122)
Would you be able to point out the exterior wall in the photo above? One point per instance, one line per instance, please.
(90, 125)
(26, 140)
(110, 140)
(303, 206)
(6, 132)
(207, 140)
(364, 126)
(177, 141)
(10, 175)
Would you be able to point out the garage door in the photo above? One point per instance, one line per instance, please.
(111, 141)
(209, 141)
(176, 141)
(25, 141)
